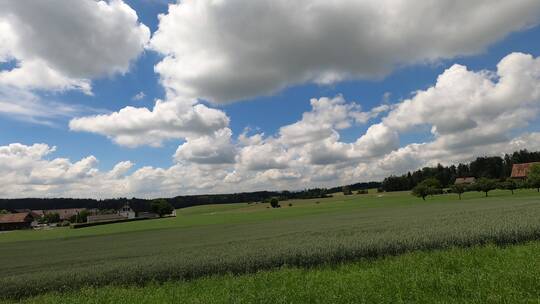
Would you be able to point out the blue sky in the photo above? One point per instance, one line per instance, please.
(262, 113)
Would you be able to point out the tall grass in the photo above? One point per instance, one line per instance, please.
(143, 257)
(477, 275)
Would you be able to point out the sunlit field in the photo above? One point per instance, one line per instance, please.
(238, 239)
(476, 275)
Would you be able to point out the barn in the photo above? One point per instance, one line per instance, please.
(521, 171)
(15, 221)
(465, 181)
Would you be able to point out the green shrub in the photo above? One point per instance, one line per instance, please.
(274, 203)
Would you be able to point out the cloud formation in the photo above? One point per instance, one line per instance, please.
(63, 47)
(468, 113)
(224, 51)
(173, 119)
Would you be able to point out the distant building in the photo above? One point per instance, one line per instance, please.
(147, 215)
(38, 213)
(521, 171)
(65, 214)
(124, 213)
(465, 181)
(127, 212)
(105, 218)
(15, 221)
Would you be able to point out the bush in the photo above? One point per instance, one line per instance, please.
(290, 205)
(274, 203)
(363, 191)
(161, 207)
(64, 224)
(51, 218)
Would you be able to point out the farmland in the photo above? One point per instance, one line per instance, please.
(246, 238)
(477, 275)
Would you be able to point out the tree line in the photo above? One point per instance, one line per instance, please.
(490, 167)
(144, 205)
(432, 186)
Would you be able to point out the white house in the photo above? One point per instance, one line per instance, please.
(127, 212)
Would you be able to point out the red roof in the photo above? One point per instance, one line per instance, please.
(65, 214)
(15, 218)
(465, 180)
(521, 170)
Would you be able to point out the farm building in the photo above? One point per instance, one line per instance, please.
(105, 218)
(127, 212)
(37, 213)
(124, 213)
(465, 181)
(14, 221)
(521, 171)
(65, 214)
(148, 215)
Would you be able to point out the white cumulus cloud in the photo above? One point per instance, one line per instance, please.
(61, 47)
(225, 51)
(173, 119)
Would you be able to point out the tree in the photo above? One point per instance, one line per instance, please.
(346, 190)
(274, 202)
(81, 217)
(51, 218)
(430, 186)
(508, 184)
(459, 189)
(533, 178)
(485, 185)
(3, 211)
(161, 207)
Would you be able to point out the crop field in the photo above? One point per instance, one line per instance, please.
(247, 238)
(487, 274)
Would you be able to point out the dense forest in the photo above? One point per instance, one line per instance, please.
(493, 167)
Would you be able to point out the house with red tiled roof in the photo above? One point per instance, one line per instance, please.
(14, 221)
(65, 214)
(521, 171)
(465, 181)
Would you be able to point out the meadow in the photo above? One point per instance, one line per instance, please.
(248, 238)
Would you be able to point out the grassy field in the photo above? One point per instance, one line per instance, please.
(246, 238)
(476, 275)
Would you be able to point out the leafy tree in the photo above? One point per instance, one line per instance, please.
(533, 178)
(485, 185)
(161, 207)
(430, 186)
(51, 218)
(3, 211)
(459, 189)
(347, 190)
(274, 202)
(508, 184)
(80, 218)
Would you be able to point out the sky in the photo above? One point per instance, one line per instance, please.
(156, 98)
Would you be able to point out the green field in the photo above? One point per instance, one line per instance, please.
(477, 275)
(246, 238)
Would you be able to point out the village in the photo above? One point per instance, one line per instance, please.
(19, 219)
